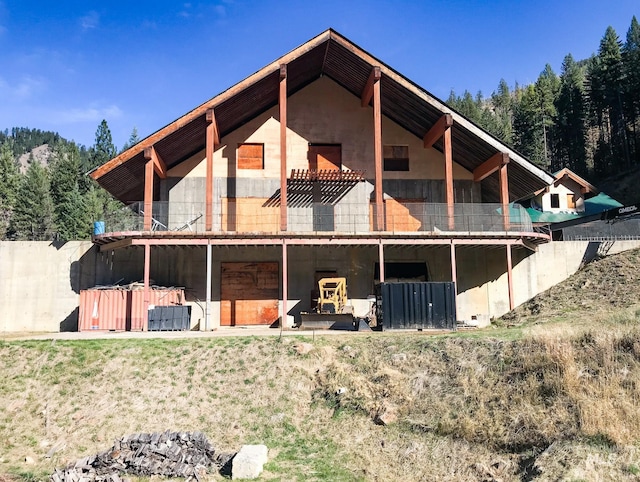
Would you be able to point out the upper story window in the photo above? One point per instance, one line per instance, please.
(396, 158)
(555, 200)
(250, 156)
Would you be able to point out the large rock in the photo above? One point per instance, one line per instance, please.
(303, 348)
(248, 462)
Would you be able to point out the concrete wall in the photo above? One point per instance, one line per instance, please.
(482, 277)
(41, 281)
(322, 112)
(40, 284)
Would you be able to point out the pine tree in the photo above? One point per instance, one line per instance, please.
(631, 63)
(547, 87)
(10, 181)
(33, 214)
(606, 73)
(571, 149)
(133, 140)
(100, 205)
(103, 150)
(70, 212)
(528, 131)
(503, 112)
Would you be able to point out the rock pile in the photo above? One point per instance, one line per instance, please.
(170, 454)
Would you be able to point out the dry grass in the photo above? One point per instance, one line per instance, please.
(554, 402)
(601, 287)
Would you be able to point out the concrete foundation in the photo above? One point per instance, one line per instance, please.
(41, 281)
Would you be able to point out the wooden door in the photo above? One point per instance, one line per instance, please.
(249, 294)
(325, 156)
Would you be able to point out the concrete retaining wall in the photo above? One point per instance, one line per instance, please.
(40, 282)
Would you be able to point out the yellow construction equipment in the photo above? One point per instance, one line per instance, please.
(332, 310)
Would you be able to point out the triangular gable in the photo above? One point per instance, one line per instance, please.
(585, 186)
(330, 54)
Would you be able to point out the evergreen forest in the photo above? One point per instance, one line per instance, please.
(586, 118)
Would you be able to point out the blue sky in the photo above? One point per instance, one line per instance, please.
(66, 65)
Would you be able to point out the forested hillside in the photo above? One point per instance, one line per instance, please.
(587, 118)
(54, 199)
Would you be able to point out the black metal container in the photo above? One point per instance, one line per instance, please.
(170, 318)
(419, 305)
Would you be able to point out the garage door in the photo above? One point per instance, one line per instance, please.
(249, 294)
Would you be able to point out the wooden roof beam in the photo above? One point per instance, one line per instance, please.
(211, 119)
(367, 92)
(490, 166)
(437, 130)
(150, 153)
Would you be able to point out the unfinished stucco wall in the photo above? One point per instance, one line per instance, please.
(40, 282)
(324, 113)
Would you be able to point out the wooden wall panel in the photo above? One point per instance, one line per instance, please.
(398, 216)
(249, 294)
(248, 215)
(325, 157)
(251, 156)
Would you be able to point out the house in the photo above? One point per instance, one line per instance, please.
(569, 201)
(326, 162)
(566, 194)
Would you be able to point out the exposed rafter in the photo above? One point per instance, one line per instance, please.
(437, 130)
(367, 92)
(490, 166)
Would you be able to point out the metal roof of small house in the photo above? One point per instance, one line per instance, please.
(595, 205)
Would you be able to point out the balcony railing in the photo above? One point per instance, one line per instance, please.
(253, 216)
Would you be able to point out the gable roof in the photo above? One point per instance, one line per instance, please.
(585, 186)
(330, 54)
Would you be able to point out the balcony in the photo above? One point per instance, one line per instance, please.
(254, 216)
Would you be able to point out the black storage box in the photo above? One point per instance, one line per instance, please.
(416, 305)
(170, 318)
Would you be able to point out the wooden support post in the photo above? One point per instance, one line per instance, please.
(285, 286)
(207, 313)
(282, 102)
(148, 194)
(146, 293)
(448, 176)
(377, 151)
(504, 196)
(454, 269)
(510, 278)
(381, 259)
(211, 136)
